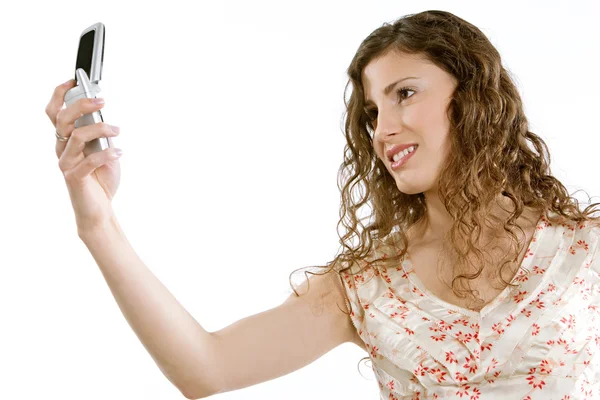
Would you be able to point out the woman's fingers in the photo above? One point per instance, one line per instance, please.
(73, 152)
(58, 99)
(65, 119)
(89, 164)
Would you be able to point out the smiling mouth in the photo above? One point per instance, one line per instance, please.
(402, 154)
(403, 159)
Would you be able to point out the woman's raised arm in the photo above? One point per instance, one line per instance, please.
(252, 350)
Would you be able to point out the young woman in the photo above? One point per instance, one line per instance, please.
(477, 276)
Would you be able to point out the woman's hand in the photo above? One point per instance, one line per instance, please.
(92, 181)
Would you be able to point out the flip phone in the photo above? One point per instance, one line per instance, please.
(88, 72)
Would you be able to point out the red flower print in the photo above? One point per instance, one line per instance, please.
(509, 320)
(471, 364)
(586, 388)
(397, 314)
(386, 277)
(522, 277)
(460, 377)
(462, 321)
(390, 385)
(464, 337)
(374, 351)
(405, 275)
(536, 382)
(416, 396)
(487, 346)
(551, 287)
(444, 326)
(420, 371)
(545, 367)
(476, 394)
(537, 303)
(463, 391)
(570, 322)
(450, 357)
(439, 338)
(568, 350)
(498, 328)
(492, 365)
(348, 282)
(559, 301)
(439, 374)
(519, 297)
(526, 312)
(409, 331)
(535, 330)
(538, 270)
(585, 291)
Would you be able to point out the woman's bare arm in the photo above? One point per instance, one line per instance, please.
(252, 350)
(286, 338)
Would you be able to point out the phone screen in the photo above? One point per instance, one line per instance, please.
(85, 52)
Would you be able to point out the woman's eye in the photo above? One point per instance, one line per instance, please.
(372, 113)
(403, 90)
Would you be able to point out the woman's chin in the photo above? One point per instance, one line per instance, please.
(411, 185)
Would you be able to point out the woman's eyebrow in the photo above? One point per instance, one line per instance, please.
(391, 86)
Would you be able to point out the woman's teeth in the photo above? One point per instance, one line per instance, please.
(403, 153)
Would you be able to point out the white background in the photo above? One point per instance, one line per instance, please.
(231, 127)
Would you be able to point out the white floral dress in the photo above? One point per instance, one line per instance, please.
(540, 340)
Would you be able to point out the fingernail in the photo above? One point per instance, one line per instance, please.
(98, 101)
(118, 152)
(115, 129)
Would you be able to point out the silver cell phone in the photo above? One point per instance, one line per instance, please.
(88, 72)
(90, 54)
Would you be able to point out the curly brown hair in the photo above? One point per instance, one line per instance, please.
(493, 153)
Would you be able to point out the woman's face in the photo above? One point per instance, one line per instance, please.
(413, 111)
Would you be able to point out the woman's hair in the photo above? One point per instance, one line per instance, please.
(492, 153)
